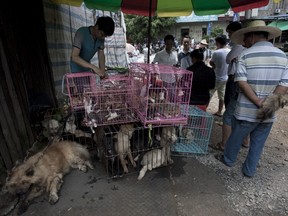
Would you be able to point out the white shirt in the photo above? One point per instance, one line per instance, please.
(221, 67)
(233, 54)
(162, 57)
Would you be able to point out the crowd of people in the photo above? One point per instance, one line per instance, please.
(243, 72)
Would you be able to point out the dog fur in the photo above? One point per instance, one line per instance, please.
(45, 171)
(168, 138)
(151, 160)
(187, 135)
(271, 104)
(122, 145)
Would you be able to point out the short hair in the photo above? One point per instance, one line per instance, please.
(198, 54)
(234, 26)
(168, 37)
(221, 39)
(186, 37)
(106, 24)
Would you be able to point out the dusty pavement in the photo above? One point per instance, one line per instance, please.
(197, 185)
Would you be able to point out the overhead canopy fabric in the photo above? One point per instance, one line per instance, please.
(168, 8)
(281, 24)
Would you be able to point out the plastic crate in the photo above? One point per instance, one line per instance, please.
(195, 136)
(159, 91)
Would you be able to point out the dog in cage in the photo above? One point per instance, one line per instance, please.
(44, 171)
(168, 138)
(186, 134)
(151, 160)
(159, 156)
(144, 139)
(74, 131)
(122, 145)
(271, 104)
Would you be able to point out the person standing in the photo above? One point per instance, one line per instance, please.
(218, 63)
(207, 52)
(167, 57)
(184, 59)
(230, 97)
(261, 71)
(203, 79)
(87, 41)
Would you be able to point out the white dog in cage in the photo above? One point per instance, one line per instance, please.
(122, 145)
(187, 135)
(168, 138)
(151, 160)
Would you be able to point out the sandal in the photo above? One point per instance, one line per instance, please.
(218, 147)
(220, 157)
(245, 145)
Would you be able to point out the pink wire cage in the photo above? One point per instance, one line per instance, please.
(105, 102)
(160, 93)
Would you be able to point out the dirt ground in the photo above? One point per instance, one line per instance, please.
(267, 192)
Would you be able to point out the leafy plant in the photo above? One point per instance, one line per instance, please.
(137, 27)
(217, 30)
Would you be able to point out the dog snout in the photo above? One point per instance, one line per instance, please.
(173, 138)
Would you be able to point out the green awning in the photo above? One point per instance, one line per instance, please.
(281, 24)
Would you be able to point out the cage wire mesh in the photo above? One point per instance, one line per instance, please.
(105, 102)
(159, 91)
(113, 149)
(195, 136)
(76, 85)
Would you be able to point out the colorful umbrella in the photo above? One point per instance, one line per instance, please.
(168, 8)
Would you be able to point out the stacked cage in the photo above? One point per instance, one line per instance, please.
(137, 118)
(104, 102)
(194, 137)
(62, 124)
(159, 91)
(131, 148)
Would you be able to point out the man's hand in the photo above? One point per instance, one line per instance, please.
(98, 71)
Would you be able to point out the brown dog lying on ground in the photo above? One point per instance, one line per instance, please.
(45, 171)
(271, 104)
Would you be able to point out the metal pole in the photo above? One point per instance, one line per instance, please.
(248, 14)
(149, 31)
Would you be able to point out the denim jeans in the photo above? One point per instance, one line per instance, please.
(229, 112)
(258, 135)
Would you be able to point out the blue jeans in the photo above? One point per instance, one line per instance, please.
(229, 112)
(258, 135)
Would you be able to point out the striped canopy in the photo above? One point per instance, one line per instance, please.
(168, 8)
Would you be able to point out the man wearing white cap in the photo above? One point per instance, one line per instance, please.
(261, 70)
(207, 52)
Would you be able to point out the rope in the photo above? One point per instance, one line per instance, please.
(150, 140)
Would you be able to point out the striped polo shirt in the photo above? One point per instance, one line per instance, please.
(264, 67)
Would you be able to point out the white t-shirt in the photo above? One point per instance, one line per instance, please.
(221, 67)
(162, 57)
(234, 53)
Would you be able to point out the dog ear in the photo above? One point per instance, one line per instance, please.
(29, 172)
(283, 101)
